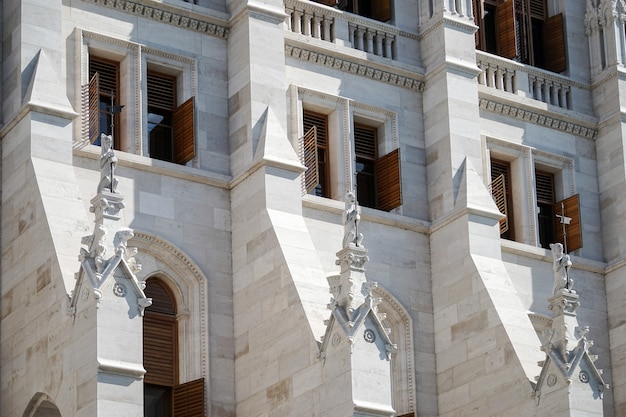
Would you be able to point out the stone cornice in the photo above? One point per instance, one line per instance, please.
(169, 15)
(535, 117)
(353, 67)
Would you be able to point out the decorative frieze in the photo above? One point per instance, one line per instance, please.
(537, 118)
(165, 16)
(347, 66)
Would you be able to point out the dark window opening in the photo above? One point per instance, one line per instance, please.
(161, 105)
(103, 98)
(372, 9)
(544, 182)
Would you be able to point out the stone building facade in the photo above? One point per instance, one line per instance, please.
(313, 208)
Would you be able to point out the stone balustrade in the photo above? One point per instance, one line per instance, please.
(524, 80)
(332, 25)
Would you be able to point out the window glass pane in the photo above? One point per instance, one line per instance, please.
(157, 401)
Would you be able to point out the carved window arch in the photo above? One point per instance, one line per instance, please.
(41, 405)
(398, 320)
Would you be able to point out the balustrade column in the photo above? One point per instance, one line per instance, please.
(316, 27)
(546, 92)
(555, 93)
(326, 25)
(491, 80)
(359, 38)
(351, 40)
(307, 24)
(508, 81)
(388, 47)
(369, 36)
(297, 21)
(288, 19)
(482, 76)
(499, 78)
(379, 44)
(563, 97)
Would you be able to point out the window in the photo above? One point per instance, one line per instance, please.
(163, 395)
(521, 30)
(170, 128)
(373, 9)
(529, 187)
(315, 153)
(138, 94)
(502, 195)
(378, 181)
(104, 94)
(557, 222)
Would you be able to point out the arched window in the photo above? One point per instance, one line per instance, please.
(164, 395)
(160, 350)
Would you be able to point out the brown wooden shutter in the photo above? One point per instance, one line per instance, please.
(571, 208)
(365, 141)
(94, 108)
(381, 10)
(507, 45)
(309, 159)
(555, 44)
(388, 181)
(476, 7)
(544, 184)
(498, 193)
(184, 138)
(188, 399)
(161, 91)
(159, 349)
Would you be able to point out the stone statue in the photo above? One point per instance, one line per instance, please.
(561, 265)
(108, 161)
(351, 217)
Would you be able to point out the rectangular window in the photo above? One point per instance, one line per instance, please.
(315, 153)
(170, 128)
(373, 9)
(378, 180)
(502, 195)
(544, 186)
(521, 30)
(103, 96)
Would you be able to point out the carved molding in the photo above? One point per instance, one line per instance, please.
(537, 118)
(196, 24)
(191, 285)
(354, 68)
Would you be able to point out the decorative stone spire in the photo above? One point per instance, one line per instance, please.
(357, 347)
(568, 362)
(97, 268)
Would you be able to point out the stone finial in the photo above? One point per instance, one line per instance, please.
(351, 218)
(561, 266)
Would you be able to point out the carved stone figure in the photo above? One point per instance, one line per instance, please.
(561, 266)
(351, 218)
(108, 161)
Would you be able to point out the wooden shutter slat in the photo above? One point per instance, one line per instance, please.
(507, 45)
(388, 181)
(571, 207)
(498, 193)
(184, 137)
(94, 108)
(555, 43)
(161, 91)
(159, 349)
(381, 10)
(188, 399)
(310, 160)
(544, 182)
(365, 141)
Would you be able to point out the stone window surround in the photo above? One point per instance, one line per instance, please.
(134, 60)
(524, 160)
(342, 112)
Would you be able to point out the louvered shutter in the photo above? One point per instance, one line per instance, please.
(388, 181)
(94, 108)
(381, 10)
(188, 399)
(555, 44)
(476, 6)
(571, 208)
(498, 193)
(184, 138)
(507, 45)
(159, 349)
(544, 185)
(309, 159)
(365, 141)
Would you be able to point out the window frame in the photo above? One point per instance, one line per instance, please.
(524, 161)
(341, 114)
(132, 57)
